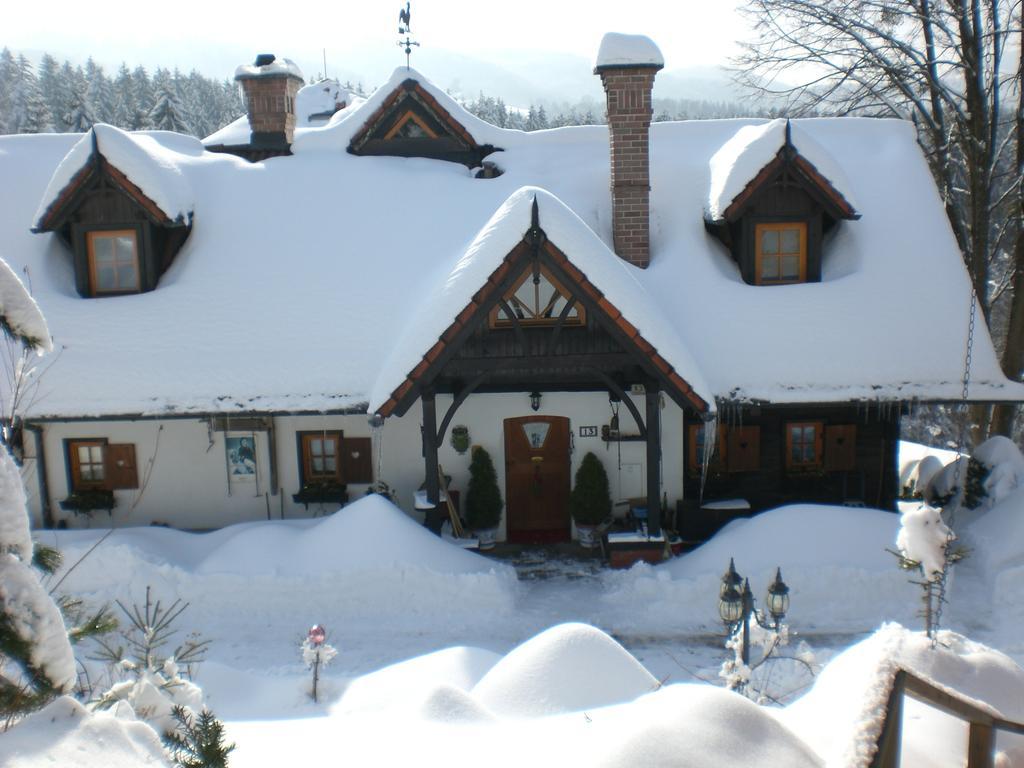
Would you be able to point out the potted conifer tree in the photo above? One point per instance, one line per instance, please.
(483, 499)
(590, 501)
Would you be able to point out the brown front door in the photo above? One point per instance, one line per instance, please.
(537, 478)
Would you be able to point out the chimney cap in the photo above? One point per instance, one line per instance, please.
(619, 51)
(268, 65)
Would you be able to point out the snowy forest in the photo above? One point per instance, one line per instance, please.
(60, 97)
(63, 98)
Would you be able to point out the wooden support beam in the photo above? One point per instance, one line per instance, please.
(653, 401)
(980, 746)
(272, 452)
(430, 446)
(459, 399)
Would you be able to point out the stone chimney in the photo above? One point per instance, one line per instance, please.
(270, 85)
(627, 65)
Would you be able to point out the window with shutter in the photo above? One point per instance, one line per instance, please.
(320, 457)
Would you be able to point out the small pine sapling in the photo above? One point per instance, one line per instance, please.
(317, 653)
(155, 681)
(197, 741)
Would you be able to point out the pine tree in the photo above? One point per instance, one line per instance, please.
(8, 78)
(590, 500)
(49, 86)
(167, 113)
(197, 742)
(36, 662)
(78, 118)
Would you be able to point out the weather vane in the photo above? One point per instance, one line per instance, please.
(405, 28)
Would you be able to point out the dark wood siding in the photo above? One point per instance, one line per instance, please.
(105, 207)
(872, 476)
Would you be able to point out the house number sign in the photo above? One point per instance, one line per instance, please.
(588, 431)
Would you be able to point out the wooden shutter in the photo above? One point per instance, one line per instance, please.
(120, 466)
(840, 447)
(744, 449)
(357, 460)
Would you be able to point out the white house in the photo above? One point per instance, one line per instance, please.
(262, 324)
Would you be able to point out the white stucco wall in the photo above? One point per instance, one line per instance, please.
(188, 484)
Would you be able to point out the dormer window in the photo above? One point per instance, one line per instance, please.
(121, 236)
(113, 261)
(781, 253)
(775, 221)
(416, 121)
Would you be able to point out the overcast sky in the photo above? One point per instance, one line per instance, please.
(214, 36)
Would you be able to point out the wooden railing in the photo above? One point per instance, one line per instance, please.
(982, 722)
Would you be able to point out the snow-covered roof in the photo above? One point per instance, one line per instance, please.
(273, 68)
(619, 50)
(346, 124)
(151, 161)
(752, 147)
(299, 285)
(585, 250)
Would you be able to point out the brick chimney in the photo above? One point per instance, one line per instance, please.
(270, 85)
(627, 65)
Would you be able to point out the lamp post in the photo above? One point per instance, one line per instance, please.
(736, 605)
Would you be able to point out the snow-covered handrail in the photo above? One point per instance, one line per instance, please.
(983, 719)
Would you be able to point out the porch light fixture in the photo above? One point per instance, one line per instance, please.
(535, 400)
(736, 605)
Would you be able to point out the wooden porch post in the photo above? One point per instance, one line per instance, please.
(430, 447)
(653, 424)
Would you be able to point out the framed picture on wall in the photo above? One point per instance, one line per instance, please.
(241, 457)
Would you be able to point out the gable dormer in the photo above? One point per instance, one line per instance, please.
(121, 207)
(411, 122)
(773, 200)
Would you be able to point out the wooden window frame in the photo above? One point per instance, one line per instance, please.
(780, 226)
(818, 462)
(90, 236)
(75, 481)
(405, 118)
(495, 321)
(306, 457)
(120, 470)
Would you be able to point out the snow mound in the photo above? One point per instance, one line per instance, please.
(567, 668)
(701, 726)
(420, 678)
(619, 50)
(65, 733)
(369, 534)
(842, 716)
(450, 704)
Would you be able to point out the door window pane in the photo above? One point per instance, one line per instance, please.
(536, 433)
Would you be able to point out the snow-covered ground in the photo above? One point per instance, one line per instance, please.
(446, 656)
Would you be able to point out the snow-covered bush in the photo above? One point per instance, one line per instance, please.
(995, 470)
(923, 540)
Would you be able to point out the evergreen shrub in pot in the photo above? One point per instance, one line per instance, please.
(590, 501)
(483, 499)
